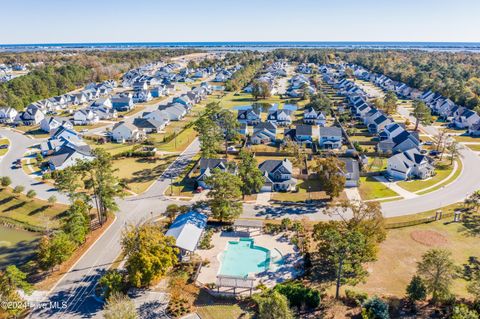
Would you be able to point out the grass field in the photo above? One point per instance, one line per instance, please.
(399, 254)
(446, 181)
(370, 188)
(179, 143)
(442, 172)
(467, 138)
(222, 312)
(140, 173)
(33, 212)
(304, 193)
(474, 147)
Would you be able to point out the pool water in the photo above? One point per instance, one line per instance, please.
(243, 257)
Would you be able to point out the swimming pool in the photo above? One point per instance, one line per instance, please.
(242, 257)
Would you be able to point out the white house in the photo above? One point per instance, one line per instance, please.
(410, 164)
(85, 117)
(7, 114)
(311, 116)
(122, 132)
(49, 124)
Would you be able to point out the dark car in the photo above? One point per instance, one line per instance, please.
(3, 146)
(17, 163)
(434, 153)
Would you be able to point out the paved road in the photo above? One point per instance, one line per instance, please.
(19, 144)
(467, 182)
(182, 89)
(78, 284)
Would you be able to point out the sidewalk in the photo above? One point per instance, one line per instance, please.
(397, 189)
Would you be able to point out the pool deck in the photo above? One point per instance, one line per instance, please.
(208, 273)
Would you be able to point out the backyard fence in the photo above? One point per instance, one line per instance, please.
(419, 221)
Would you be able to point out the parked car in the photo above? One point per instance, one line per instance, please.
(428, 143)
(17, 163)
(434, 153)
(3, 146)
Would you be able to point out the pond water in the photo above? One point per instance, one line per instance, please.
(16, 246)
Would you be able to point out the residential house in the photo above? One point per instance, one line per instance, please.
(7, 114)
(330, 137)
(31, 116)
(123, 131)
(149, 125)
(122, 103)
(280, 117)
(204, 169)
(142, 96)
(49, 124)
(278, 175)
(410, 164)
(311, 116)
(157, 115)
(174, 112)
(243, 129)
(464, 118)
(248, 117)
(351, 172)
(85, 117)
(68, 155)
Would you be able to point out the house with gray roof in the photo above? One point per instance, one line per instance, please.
(410, 164)
(204, 169)
(68, 155)
(278, 175)
(330, 137)
(149, 125)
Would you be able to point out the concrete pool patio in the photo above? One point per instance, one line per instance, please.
(288, 270)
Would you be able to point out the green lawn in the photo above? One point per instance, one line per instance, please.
(399, 254)
(180, 143)
(376, 164)
(112, 148)
(466, 138)
(370, 188)
(447, 181)
(182, 186)
(442, 172)
(222, 312)
(4, 141)
(31, 212)
(140, 173)
(474, 147)
(304, 192)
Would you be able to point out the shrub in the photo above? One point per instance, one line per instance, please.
(286, 223)
(206, 242)
(356, 296)
(18, 189)
(272, 229)
(112, 282)
(375, 308)
(31, 193)
(6, 181)
(299, 295)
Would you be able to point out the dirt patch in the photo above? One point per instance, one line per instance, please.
(429, 238)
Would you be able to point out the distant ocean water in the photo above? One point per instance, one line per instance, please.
(261, 46)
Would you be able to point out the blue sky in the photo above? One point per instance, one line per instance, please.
(54, 21)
